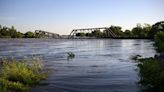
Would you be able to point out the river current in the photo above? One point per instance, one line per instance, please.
(99, 65)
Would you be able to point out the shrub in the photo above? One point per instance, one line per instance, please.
(19, 76)
(159, 41)
(151, 75)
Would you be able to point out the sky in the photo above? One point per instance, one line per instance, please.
(62, 16)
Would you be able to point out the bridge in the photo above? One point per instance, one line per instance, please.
(44, 34)
(109, 33)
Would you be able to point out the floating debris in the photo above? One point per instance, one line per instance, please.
(70, 55)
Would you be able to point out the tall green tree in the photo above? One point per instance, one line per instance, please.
(13, 32)
(146, 29)
(117, 30)
(141, 31)
(159, 26)
(5, 32)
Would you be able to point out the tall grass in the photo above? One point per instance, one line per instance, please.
(151, 75)
(19, 76)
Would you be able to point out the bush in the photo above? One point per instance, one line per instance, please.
(19, 76)
(29, 34)
(159, 41)
(151, 75)
(6, 86)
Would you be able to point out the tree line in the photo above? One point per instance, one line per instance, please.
(7, 32)
(140, 31)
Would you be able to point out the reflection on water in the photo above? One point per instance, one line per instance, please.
(100, 65)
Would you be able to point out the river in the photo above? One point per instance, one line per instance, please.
(100, 65)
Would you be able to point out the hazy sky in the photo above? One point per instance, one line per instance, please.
(61, 16)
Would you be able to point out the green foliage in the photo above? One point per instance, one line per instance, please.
(137, 32)
(151, 75)
(128, 33)
(88, 34)
(13, 32)
(117, 30)
(159, 26)
(80, 34)
(6, 32)
(29, 34)
(159, 41)
(147, 28)
(18, 76)
(6, 86)
(141, 32)
(19, 35)
(97, 33)
(151, 70)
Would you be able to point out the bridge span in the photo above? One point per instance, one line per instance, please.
(106, 30)
(44, 34)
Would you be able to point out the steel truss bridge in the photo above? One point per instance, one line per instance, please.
(107, 30)
(44, 34)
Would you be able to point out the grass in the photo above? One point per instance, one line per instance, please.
(20, 76)
(151, 75)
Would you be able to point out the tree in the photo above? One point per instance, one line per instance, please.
(97, 33)
(159, 26)
(117, 30)
(80, 34)
(13, 32)
(0, 31)
(146, 29)
(88, 34)
(127, 33)
(19, 35)
(5, 32)
(0, 27)
(141, 31)
(29, 34)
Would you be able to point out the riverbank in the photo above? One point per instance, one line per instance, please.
(20, 76)
(151, 70)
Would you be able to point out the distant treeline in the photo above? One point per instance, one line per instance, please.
(140, 31)
(145, 31)
(6, 32)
